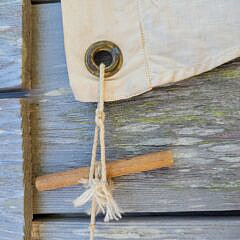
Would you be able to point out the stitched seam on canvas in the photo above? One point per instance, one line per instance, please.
(143, 40)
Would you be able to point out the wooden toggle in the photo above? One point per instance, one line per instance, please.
(116, 168)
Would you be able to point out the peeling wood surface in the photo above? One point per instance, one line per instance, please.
(10, 43)
(198, 119)
(11, 174)
(177, 228)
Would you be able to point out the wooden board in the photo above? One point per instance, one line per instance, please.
(198, 119)
(177, 228)
(11, 43)
(15, 193)
(11, 174)
(15, 175)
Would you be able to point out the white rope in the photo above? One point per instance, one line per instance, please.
(98, 188)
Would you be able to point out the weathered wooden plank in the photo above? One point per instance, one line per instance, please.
(11, 174)
(199, 119)
(27, 168)
(15, 209)
(177, 228)
(11, 43)
(26, 44)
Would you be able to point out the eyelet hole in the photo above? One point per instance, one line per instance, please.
(103, 52)
(103, 56)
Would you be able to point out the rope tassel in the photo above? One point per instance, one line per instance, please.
(98, 188)
(102, 193)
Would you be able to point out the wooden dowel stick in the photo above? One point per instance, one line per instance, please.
(114, 169)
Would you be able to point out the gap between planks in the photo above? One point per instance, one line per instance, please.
(45, 1)
(178, 228)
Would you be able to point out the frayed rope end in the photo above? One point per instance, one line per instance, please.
(102, 193)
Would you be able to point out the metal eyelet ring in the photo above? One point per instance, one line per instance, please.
(103, 52)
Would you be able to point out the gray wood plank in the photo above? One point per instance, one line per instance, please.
(11, 174)
(177, 228)
(199, 119)
(15, 205)
(11, 43)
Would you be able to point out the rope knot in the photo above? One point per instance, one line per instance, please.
(98, 188)
(92, 227)
(99, 118)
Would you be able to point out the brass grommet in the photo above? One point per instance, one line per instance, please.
(103, 52)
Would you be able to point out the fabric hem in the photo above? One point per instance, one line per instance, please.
(210, 63)
(207, 65)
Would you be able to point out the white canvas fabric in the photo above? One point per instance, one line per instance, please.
(162, 41)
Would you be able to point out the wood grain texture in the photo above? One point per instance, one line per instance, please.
(11, 174)
(26, 118)
(177, 228)
(198, 119)
(15, 207)
(11, 43)
(27, 168)
(26, 44)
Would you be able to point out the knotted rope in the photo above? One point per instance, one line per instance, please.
(98, 188)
